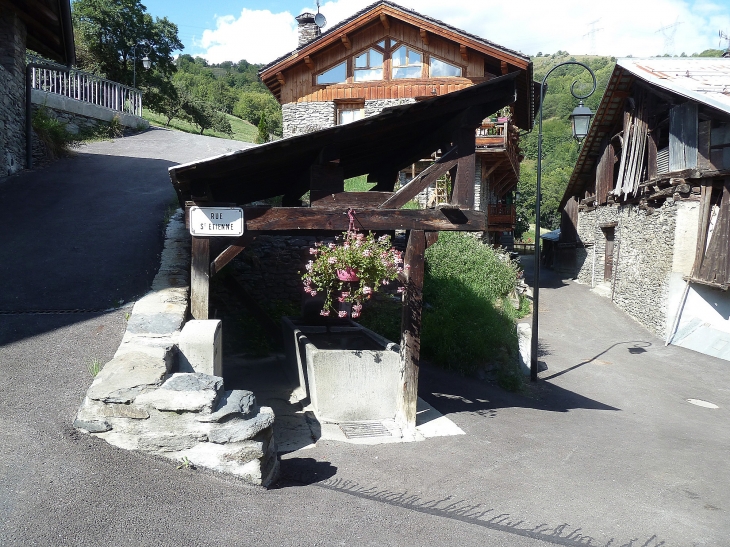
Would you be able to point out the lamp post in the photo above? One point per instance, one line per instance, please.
(146, 62)
(580, 120)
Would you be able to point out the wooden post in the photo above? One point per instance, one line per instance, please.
(410, 343)
(200, 278)
(463, 186)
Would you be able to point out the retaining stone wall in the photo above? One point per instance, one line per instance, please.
(302, 118)
(643, 256)
(73, 122)
(12, 96)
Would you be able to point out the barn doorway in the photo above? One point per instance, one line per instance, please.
(609, 233)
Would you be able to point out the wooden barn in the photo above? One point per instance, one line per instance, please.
(646, 218)
(387, 55)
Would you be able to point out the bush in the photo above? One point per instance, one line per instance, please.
(52, 133)
(468, 321)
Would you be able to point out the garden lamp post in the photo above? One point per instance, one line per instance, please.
(146, 62)
(580, 120)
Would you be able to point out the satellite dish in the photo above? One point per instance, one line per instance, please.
(320, 20)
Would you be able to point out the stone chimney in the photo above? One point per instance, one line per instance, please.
(308, 29)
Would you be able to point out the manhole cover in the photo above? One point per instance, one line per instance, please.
(359, 430)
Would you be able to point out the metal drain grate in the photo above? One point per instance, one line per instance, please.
(359, 430)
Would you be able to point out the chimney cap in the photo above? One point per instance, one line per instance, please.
(305, 17)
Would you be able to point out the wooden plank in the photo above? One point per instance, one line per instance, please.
(666, 192)
(423, 180)
(410, 343)
(327, 178)
(703, 145)
(231, 252)
(431, 238)
(344, 200)
(200, 278)
(275, 219)
(463, 191)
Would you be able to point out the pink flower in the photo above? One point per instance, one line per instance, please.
(355, 314)
(407, 266)
(313, 293)
(342, 313)
(366, 252)
(312, 251)
(385, 282)
(324, 313)
(357, 308)
(309, 266)
(332, 245)
(360, 237)
(332, 260)
(401, 290)
(367, 290)
(345, 294)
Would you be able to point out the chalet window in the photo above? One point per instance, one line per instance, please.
(369, 66)
(442, 69)
(335, 75)
(350, 112)
(407, 63)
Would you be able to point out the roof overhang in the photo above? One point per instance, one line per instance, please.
(48, 26)
(393, 139)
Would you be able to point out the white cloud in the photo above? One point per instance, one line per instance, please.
(630, 27)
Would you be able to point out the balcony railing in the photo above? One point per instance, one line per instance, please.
(83, 86)
(500, 136)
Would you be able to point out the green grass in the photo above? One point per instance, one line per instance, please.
(95, 367)
(242, 130)
(358, 184)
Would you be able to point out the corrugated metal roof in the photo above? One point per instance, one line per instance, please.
(703, 79)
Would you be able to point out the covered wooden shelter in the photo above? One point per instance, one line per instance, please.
(319, 163)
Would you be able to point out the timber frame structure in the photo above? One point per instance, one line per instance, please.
(319, 162)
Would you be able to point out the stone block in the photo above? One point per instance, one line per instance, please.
(524, 337)
(126, 376)
(237, 430)
(233, 402)
(184, 392)
(200, 345)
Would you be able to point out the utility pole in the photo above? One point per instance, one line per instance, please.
(592, 34)
(669, 31)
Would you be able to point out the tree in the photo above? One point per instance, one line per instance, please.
(263, 134)
(204, 115)
(108, 30)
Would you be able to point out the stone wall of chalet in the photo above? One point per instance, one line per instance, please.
(12, 97)
(643, 254)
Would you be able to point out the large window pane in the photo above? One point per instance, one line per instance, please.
(368, 75)
(407, 72)
(361, 61)
(399, 56)
(414, 58)
(334, 75)
(376, 58)
(442, 69)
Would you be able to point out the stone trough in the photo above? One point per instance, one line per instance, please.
(348, 372)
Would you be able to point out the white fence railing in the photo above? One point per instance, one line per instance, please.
(83, 86)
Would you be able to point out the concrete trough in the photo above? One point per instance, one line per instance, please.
(349, 373)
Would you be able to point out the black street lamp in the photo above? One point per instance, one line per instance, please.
(146, 62)
(580, 120)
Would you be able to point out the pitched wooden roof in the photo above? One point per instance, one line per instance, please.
(526, 97)
(393, 139)
(49, 27)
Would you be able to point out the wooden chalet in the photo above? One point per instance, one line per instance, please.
(319, 163)
(387, 55)
(647, 209)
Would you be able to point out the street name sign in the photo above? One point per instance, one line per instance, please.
(216, 221)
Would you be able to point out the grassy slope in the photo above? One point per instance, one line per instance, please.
(242, 130)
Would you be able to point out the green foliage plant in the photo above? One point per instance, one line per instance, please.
(52, 133)
(263, 133)
(354, 267)
(95, 367)
(468, 321)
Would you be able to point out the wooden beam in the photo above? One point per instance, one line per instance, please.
(423, 180)
(292, 219)
(346, 41)
(280, 78)
(431, 238)
(200, 278)
(308, 61)
(463, 186)
(230, 253)
(464, 52)
(410, 343)
(492, 169)
(356, 200)
(385, 21)
(679, 189)
(504, 67)
(424, 36)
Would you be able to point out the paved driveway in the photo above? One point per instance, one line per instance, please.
(606, 450)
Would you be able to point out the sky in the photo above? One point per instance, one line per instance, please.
(260, 31)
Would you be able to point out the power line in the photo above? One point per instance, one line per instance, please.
(669, 31)
(592, 34)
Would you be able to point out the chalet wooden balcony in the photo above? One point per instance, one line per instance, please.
(501, 217)
(497, 144)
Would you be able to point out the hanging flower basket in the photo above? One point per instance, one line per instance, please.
(351, 270)
(348, 274)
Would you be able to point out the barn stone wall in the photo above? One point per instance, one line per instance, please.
(643, 255)
(12, 97)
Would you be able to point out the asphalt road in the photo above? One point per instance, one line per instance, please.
(605, 447)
